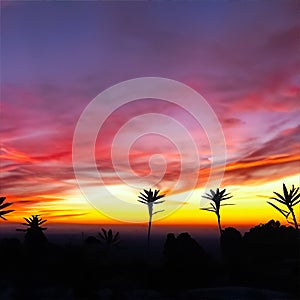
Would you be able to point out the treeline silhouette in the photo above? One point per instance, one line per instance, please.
(262, 263)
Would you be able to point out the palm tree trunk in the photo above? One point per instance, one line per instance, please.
(294, 218)
(150, 208)
(219, 223)
(149, 230)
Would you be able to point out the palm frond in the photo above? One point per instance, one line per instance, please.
(296, 202)
(212, 192)
(116, 237)
(143, 197)
(158, 211)
(294, 199)
(4, 212)
(278, 200)
(144, 202)
(105, 233)
(208, 209)
(101, 236)
(214, 206)
(110, 235)
(222, 193)
(147, 192)
(5, 205)
(28, 221)
(2, 199)
(208, 196)
(155, 193)
(158, 202)
(286, 193)
(226, 198)
(282, 211)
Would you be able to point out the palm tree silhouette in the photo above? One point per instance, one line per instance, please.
(289, 199)
(216, 197)
(149, 198)
(108, 239)
(2, 206)
(34, 232)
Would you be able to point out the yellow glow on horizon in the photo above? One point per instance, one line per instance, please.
(250, 207)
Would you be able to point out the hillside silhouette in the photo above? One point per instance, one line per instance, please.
(263, 261)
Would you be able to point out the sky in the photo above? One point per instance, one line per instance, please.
(242, 57)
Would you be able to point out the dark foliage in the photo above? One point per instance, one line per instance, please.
(216, 197)
(4, 205)
(265, 258)
(289, 199)
(34, 233)
(271, 256)
(231, 249)
(182, 256)
(271, 241)
(150, 199)
(231, 244)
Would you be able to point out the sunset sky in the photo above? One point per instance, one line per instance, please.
(56, 57)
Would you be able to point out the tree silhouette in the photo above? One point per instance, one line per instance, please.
(289, 199)
(216, 197)
(271, 242)
(109, 240)
(149, 198)
(34, 232)
(2, 206)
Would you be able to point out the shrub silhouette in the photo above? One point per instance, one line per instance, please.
(34, 233)
(289, 199)
(231, 248)
(271, 256)
(271, 241)
(149, 198)
(182, 251)
(91, 240)
(231, 244)
(10, 255)
(215, 198)
(4, 205)
(182, 257)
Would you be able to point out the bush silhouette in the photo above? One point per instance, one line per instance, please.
(182, 257)
(271, 241)
(231, 249)
(182, 251)
(231, 244)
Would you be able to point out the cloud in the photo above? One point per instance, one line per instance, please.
(63, 216)
(274, 159)
(285, 143)
(247, 70)
(258, 172)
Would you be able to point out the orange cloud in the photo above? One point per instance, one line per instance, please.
(15, 155)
